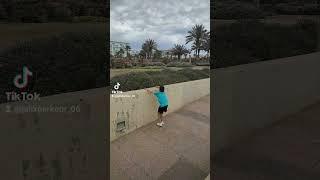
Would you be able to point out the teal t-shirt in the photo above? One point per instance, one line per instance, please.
(162, 98)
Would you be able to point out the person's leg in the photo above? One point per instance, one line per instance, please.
(160, 117)
(160, 123)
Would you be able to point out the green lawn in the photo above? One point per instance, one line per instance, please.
(10, 33)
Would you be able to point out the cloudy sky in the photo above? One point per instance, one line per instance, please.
(165, 21)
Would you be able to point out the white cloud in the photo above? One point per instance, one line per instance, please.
(165, 21)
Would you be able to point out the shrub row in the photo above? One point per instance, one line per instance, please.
(233, 9)
(64, 63)
(140, 80)
(294, 9)
(251, 41)
(45, 11)
(179, 64)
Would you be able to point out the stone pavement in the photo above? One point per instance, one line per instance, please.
(288, 150)
(178, 151)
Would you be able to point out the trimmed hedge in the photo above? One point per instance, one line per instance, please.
(233, 9)
(297, 9)
(179, 64)
(140, 80)
(154, 64)
(64, 63)
(37, 11)
(83, 19)
(251, 41)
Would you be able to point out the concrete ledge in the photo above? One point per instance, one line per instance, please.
(24, 136)
(252, 96)
(140, 108)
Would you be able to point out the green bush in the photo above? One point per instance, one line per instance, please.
(140, 80)
(202, 63)
(179, 64)
(37, 11)
(64, 63)
(89, 19)
(154, 64)
(251, 41)
(294, 9)
(120, 63)
(233, 9)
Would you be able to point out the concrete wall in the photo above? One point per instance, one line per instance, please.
(208, 177)
(140, 108)
(252, 96)
(26, 136)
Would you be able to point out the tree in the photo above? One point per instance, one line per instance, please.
(179, 50)
(197, 36)
(167, 54)
(128, 48)
(206, 43)
(157, 54)
(148, 46)
(120, 53)
(144, 51)
(186, 52)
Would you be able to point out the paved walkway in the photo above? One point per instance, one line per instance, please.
(289, 150)
(179, 150)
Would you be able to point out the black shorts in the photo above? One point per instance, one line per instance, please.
(162, 109)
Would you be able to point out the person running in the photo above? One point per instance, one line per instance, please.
(163, 103)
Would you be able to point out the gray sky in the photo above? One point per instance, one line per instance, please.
(165, 21)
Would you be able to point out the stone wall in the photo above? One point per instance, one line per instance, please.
(252, 96)
(140, 108)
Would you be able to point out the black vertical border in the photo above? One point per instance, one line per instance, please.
(107, 139)
(212, 66)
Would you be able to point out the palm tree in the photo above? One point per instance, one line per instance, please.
(167, 54)
(157, 54)
(206, 43)
(186, 52)
(120, 53)
(128, 48)
(197, 36)
(144, 50)
(148, 46)
(179, 50)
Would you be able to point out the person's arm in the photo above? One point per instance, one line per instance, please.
(148, 91)
(151, 92)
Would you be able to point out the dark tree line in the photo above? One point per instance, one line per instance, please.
(280, 1)
(50, 10)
